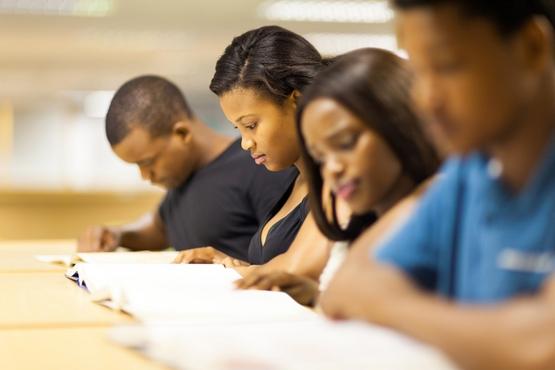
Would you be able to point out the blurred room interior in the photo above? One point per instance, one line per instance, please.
(62, 60)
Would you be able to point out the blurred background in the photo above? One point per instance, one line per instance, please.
(62, 60)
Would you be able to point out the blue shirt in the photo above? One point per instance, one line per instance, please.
(474, 241)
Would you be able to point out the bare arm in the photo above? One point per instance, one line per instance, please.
(518, 335)
(148, 233)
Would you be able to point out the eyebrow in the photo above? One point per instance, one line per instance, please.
(238, 120)
(338, 132)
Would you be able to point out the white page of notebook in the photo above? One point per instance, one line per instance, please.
(316, 344)
(101, 276)
(166, 292)
(211, 305)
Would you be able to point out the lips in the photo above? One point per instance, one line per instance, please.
(347, 189)
(259, 158)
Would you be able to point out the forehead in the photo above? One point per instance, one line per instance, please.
(440, 28)
(243, 101)
(137, 145)
(325, 117)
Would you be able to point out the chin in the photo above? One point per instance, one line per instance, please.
(273, 168)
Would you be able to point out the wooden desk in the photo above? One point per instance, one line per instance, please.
(68, 348)
(18, 256)
(32, 247)
(48, 301)
(14, 262)
(47, 322)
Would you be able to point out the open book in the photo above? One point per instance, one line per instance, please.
(179, 292)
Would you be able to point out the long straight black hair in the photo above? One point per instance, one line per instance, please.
(374, 85)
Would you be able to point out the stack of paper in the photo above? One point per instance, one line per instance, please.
(315, 344)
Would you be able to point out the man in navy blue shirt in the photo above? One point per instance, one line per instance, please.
(471, 271)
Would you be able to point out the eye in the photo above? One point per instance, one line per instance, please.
(251, 126)
(146, 162)
(348, 142)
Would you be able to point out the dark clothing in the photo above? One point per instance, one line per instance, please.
(282, 233)
(223, 203)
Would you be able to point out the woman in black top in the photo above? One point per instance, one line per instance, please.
(361, 137)
(259, 80)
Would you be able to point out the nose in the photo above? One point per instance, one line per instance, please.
(333, 168)
(246, 143)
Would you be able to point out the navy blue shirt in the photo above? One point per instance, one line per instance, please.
(281, 234)
(473, 240)
(223, 203)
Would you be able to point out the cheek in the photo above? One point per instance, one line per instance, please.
(379, 166)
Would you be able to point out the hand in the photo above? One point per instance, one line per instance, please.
(99, 239)
(202, 255)
(367, 291)
(234, 263)
(300, 288)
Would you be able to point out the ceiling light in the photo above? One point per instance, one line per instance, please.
(81, 8)
(331, 44)
(352, 11)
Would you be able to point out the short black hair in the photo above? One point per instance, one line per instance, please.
(507, 15)
(374, 85)
(151, 102)
(271, 60)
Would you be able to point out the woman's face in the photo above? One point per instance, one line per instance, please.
(267, 129)
(355, 162)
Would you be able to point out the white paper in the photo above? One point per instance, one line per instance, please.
(316, 344)
(185, 293)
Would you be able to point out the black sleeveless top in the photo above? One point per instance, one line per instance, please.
(281, 234)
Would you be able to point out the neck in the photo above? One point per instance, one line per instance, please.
(210, 143)
(523, 149)
(402, 187)
(299, 164)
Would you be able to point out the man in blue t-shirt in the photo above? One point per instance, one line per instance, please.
(471, 271)
(217, 196)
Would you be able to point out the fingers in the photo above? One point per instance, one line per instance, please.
(183, 257)
(110, 239)
(248, 281)
(197, 255)
(91, 240)
(265, 281)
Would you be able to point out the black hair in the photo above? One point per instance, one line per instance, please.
(271, 60)
(507, 15)
(374, 85)
(151, 102)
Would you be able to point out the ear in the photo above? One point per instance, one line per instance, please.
(295, 97)
(182, 130)
(536, 45)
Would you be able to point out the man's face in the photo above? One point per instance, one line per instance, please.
(472, 84)
(167, 161)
